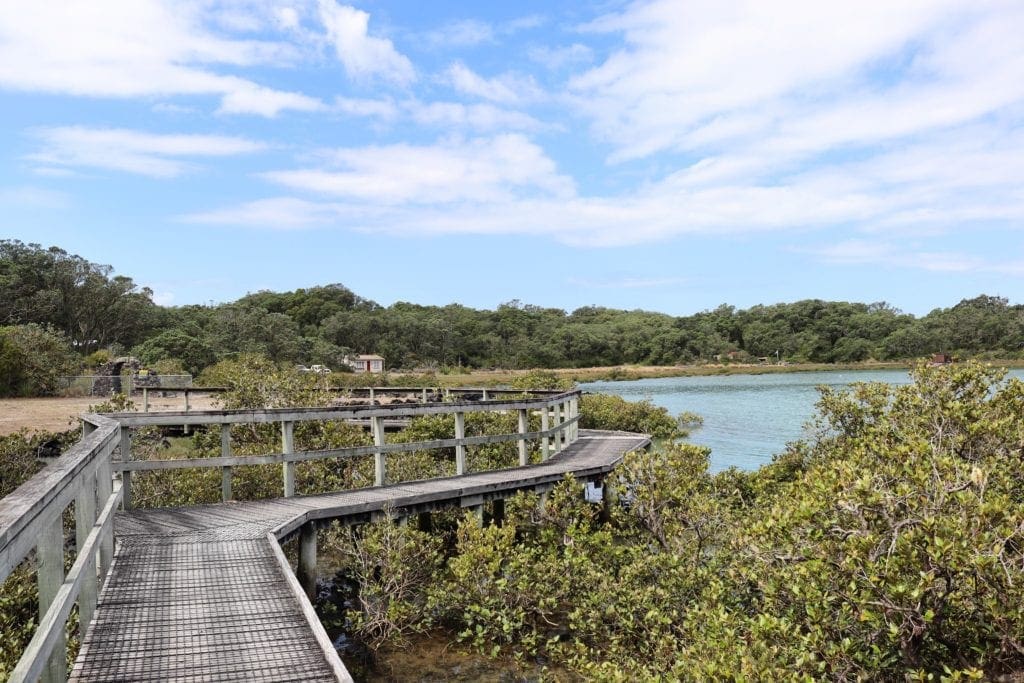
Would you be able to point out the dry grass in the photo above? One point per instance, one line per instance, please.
(59, 414)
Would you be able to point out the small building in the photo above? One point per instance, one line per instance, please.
(365, 363)
(941, 359)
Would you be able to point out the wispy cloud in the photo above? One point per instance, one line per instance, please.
(118, 149)
(507, 88)
(481, 170)
(144, 48)
(474, 32)
(462, 33)
(556, 58)
(915, 255)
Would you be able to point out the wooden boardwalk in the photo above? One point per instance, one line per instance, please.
(203, 593)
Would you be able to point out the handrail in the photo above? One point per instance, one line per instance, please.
(51, 627)
(32, 519)
(332, 453)
(554, 437)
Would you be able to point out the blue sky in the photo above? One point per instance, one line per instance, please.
(663, 155)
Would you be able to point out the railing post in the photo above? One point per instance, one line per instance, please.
(104, 488)
(575, 413)
(372, 393)
(524, 426)
(379, 471)
(225, 471)
(460, 449)
(85, 517)
(288, 447)
(559, 427)
(424, 394)
(484, 395)
(307, 559)
(145, 399)
(186, 410)
(50, 576)
(126, 475)
(545, 424)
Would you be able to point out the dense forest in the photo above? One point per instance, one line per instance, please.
(50, 299)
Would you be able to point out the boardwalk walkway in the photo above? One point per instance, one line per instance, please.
(203, 593)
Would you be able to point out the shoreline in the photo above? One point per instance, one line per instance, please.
(633, 372)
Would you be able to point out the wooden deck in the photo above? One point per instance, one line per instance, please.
(203, 593)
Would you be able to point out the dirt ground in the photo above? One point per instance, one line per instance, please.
(59, 414)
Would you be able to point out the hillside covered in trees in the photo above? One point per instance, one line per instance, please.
(59, 301)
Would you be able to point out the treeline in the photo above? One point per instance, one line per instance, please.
(91, 309)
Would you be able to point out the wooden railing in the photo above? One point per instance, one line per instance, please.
(32, 521)
(87, 474)
(559, 413)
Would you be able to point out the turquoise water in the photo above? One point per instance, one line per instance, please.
(747, 418)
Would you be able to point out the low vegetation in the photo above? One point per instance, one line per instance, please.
(888, 546)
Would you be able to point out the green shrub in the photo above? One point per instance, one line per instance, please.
(604, 411)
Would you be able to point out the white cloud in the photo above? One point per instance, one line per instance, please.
(361, 54)
(476, 117)
(505, 89)
(154, 155)
(384, 109)
(280, 213)
(886, 253)
(463, 33)
(560, 57)
(480, 170)
(142, 48)
(161, 298)
(249, 98)
(809, 75)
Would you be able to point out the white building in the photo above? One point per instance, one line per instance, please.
(365, 363)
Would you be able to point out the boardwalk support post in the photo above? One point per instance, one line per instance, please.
(50, 576)
(225, 472)
(307, 559)
(498, 511)
(379, 473)
(460, 449)
(524, 426)
(287, 447)
(608, 499)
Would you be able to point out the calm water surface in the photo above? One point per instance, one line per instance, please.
(747, 418)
